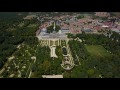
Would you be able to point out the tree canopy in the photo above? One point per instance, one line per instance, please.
(50, 28)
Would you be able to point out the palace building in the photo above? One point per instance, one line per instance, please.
(47, 38)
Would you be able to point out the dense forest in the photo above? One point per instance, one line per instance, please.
(12, 34)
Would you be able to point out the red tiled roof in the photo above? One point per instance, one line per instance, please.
(118, 27)
(97, 28)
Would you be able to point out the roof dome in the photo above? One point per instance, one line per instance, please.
(44, 30)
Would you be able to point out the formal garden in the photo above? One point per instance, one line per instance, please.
(22, 56)
(45, 65)
(21, 63)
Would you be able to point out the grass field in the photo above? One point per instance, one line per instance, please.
(97, 50)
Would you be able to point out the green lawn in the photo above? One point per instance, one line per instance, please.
(97, 50)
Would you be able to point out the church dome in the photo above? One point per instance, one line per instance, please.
(44, 30)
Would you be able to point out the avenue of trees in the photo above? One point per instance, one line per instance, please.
(78, 49)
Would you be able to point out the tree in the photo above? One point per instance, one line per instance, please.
(50, 28)
(90, 72)
(80, 16)
(1, 64)
(46, 65)
(34, 67)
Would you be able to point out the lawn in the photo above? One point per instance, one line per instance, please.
(97, 50)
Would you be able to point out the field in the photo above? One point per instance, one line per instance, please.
(97, 50)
